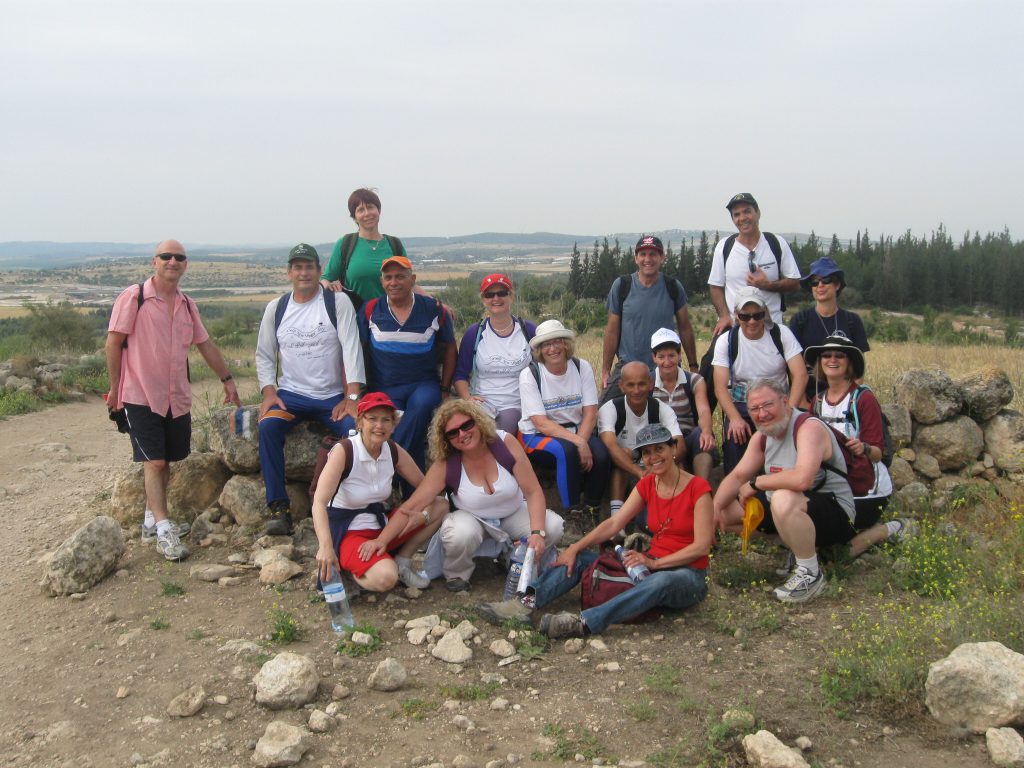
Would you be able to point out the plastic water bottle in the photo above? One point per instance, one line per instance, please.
(528, 571)
(636, 573)
(515, 570)
(342, 619)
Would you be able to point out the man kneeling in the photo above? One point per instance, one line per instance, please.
(807, 500)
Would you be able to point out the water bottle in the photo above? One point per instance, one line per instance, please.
(515, 570)
(337, 602)
(636, 573)
(528, 571)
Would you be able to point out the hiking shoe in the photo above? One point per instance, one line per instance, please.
(412, 578)
(801, 586)
(501, 611)
(280, 522)
(787, 565)
(149, 531)
(907, 529)
(638, 541)
(457, 585)
(169, 545)
(563, 625)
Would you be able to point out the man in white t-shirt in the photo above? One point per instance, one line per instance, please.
(749, 258)
(622, 417)
(318, 350)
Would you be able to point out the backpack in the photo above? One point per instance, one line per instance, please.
(605, 578)
(348, 247)
(707, 369)
(330, 306)
(653, 412)
(324, 450)
(773, 243)
(453, 468)
(480, 332)
(535, 369)
(860, 473)
(853, 417)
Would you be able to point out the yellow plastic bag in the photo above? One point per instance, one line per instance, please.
(753, 514)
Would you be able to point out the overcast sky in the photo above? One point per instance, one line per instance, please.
(251, 122)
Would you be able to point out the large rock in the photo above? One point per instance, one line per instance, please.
(1004, 440)
(289, 680)
(245, 500)
(278, 570)
(240, 451)
(128, 496)
(978, 686)
(196, 482)
(188, 702)
(913, 495)
(281, 744)
(929, 394)
(954, 443)
(901, 472)
(1005, 747)
(927, 466)
(764, 750)
(389, 675)
(901, 427)
(88, 555)
(985, 392)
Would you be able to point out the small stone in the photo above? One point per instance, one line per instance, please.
(389, 675)
(510, 660)
(321, 722)
(220, 699)
(1005, 747)
(340, 692)
(281, 744)
(279, 570)
(452, 649)
(611, 666)
(187, 703)
(210, 572)
(238, 648)
(502, 648)
(765, 750)
(466, 629)
(499, 763)
(463, 723)
(77, 596)
(463, 761)
(229, 581)
(499, 704)
(597, 645)
(573, 645)
(423, 621)
(361, 638)
(710, 657)
(109, 617)
(417, 635)
(804, 743)
(738, 720)
(128, 637)
(122, 692)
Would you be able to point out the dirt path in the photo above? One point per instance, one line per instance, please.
(64, 660)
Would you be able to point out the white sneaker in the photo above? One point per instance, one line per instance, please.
(169, 545)
(801, 586)
(149, 531)
(411, 578)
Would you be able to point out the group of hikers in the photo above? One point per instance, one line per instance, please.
(358, 346)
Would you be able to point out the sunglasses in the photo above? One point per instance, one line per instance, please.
(496, 294)
(816, 281)
(169, 256)
(746, 318)
(752, 261)
(465, 426)
(833, 355)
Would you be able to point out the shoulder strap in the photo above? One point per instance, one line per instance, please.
(653, 411)
(727, 248)
(349, 450)
(393, 447)
(348, 245)
(397, 248)
(331, 305)
(576, 362)
(527, 333)
(620, 413)
(140, 298)
(688, 388)
(476, 344)
(734, 346)
(852, 412)
(773, 243)
(776, 333)
(625, 285)
(535, 370)
(672, 286)
(368, 307)
(452, 471)
(502, 454)
(282, 305)
(355, 298)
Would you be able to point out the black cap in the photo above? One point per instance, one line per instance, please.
(744, 198)
(303, 252)
(649, 241)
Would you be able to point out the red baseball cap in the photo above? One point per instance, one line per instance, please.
(496, 279)
(374, 400)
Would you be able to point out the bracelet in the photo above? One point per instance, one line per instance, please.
(426, 517)
(226, 379)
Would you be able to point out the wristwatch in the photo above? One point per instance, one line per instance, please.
(353, 397)
(542, 533)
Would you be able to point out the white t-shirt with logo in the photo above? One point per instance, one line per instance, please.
(732, 274)
(309, 349)
(499, 361)
(627, 437)
(560, 398)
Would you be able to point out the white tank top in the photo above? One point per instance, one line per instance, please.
(369, 482)
(505, 501)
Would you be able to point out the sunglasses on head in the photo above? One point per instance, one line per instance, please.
(745, 317)
(496, 294)
(816, 281)
(169, 256)
(465, 426)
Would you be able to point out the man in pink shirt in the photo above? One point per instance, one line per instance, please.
(147, 360)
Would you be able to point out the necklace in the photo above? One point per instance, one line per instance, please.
(501, 331)
(374, 244)
(662, 501)
(825, 327)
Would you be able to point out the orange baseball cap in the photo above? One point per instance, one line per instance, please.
(401, 261)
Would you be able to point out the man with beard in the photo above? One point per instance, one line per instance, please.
(807, 500)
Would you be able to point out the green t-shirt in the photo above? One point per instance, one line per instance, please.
(363, 274)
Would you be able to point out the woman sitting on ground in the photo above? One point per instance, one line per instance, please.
(492, 354)
(493, 490)
(559, 405)
(348, 506)
(853, 410)
(680, 515)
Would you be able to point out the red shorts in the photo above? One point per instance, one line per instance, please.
(348, 552)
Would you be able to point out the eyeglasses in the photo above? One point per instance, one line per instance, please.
(763, 408)
(833, 355)
(465, 426)
(746, 318)
(496, 294)
(169, 256)
(551, 343)
(816, 281)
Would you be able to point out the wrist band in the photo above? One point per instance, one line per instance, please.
(226, 379)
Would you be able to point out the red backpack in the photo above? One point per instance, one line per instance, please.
(860, 472)
(605, 578)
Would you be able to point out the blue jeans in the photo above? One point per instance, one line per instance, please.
(418, 401)
(275, 426)
(679, 588)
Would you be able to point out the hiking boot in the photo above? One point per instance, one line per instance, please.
(563, 624)
(149, 531)
(457, 585)
(787, 565)
(501, 611)
(412, 578)
(169, 545)
(801, 586)
(637, 541)
(280, 522)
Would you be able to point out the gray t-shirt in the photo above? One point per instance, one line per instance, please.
(645, 311)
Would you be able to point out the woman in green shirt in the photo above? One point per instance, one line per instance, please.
(357, 257)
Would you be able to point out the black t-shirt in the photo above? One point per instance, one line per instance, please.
(811, 330)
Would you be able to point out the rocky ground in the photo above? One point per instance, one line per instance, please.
(97, 679)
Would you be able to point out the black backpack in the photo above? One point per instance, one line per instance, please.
(535, 369)
(348, 247)
(707, 369)
(653, 412)
(773, 243)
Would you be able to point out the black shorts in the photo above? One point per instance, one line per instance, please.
(831, 523)
(869, 510)
(158, 438)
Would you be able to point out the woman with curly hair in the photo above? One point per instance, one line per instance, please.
(492, 487)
